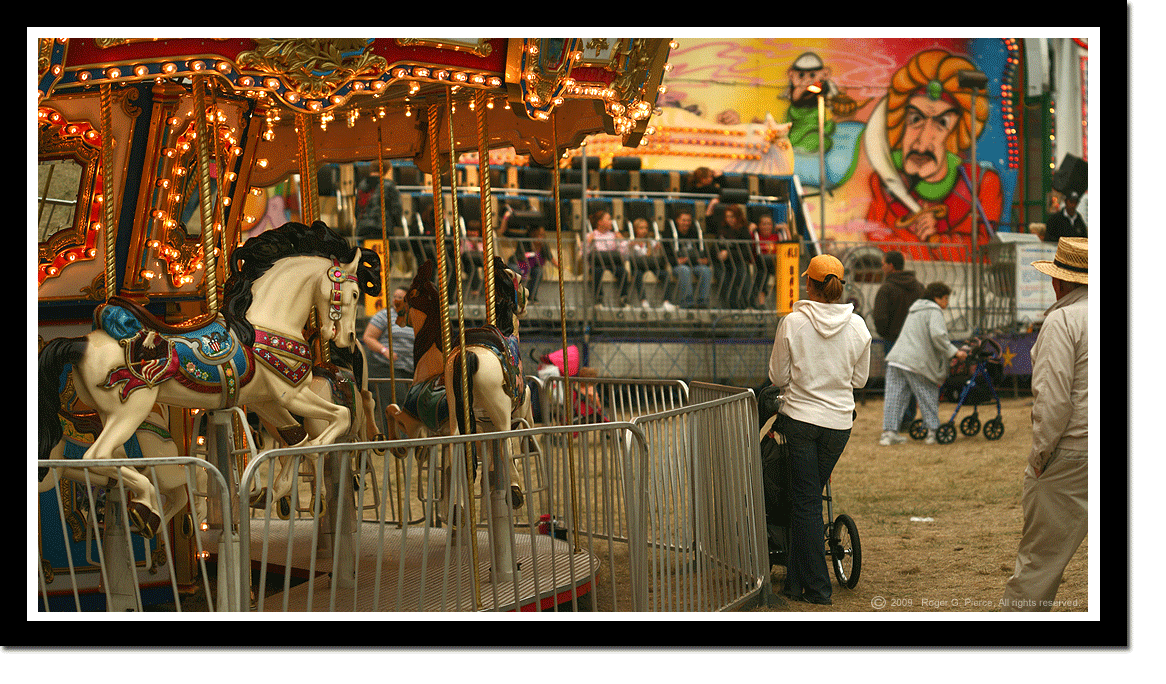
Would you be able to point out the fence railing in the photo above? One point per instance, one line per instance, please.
(656, 508)
(89, 550)
(707, 506)
(577, 541)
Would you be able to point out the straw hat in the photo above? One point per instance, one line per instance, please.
(1070, 263)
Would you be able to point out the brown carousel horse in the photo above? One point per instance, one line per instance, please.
(252, 354)
(498, 397)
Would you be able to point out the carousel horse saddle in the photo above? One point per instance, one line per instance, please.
(506, 349)
(426, 401)
(207, 359)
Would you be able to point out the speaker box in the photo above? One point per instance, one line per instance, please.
(1071, 176)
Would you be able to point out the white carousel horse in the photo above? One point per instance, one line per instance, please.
(497, 388)
(152, 440)
(253, 354)
(346, 386)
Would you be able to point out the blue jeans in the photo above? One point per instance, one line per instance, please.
(684, 274)
(813, 451)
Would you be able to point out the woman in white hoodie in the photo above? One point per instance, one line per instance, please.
(918, 364)
(821, 354)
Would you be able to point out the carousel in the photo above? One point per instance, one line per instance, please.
(178, 323)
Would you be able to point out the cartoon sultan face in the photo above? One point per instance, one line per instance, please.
(928, 124)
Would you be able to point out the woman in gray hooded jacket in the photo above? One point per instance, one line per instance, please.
(918, 364)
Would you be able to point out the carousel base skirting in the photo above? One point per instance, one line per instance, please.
(413, 574)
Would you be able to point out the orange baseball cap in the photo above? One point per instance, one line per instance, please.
(824, 265)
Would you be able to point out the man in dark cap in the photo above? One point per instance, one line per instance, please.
(1066, 222)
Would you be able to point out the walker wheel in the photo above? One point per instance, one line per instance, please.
(994, 429)
(945, 434)
(917, 430)
(970, 426)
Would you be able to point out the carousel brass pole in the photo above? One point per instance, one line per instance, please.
(461, 330)
(311, 208)
(438, 228)
(385, 251)
(388, 303)
(202, 139)
(563, 324)
(486, 204)
(106, 191)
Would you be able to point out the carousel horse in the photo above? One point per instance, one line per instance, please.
(496, 387)
(252, 354)
(152, 439)
(344, 383)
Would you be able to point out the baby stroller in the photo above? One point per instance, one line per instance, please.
(840, 535)
(979, 372)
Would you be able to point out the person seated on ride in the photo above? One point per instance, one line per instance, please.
(605, 249)
(647, 255)
(528, 260)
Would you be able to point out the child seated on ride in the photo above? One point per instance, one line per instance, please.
(765, 247)
(647, 255)
(605, 248)
(528, 260)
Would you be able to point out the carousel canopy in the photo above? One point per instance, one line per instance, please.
(539, 94)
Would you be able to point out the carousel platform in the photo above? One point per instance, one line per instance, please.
(412, 571)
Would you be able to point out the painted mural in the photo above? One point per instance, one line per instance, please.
(897, 139)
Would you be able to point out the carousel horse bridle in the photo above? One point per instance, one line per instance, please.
(338, 277)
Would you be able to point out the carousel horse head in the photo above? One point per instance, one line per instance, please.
(353, 270)
(421, 298)
(510, 296)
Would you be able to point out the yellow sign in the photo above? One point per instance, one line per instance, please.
(786, 278)
(375, 304)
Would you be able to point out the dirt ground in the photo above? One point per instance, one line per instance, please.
(959, 556)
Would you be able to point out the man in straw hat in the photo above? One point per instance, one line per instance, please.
(1056, 482)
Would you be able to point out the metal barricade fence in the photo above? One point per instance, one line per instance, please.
(601, 399)
(102, 556)
(577, 542)
(706, 505)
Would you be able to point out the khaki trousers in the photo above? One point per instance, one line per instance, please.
(1056, 520)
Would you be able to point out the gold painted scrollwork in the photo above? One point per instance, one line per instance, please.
(480, 47)
(313, 67)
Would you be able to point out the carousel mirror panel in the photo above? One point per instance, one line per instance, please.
(68, 192)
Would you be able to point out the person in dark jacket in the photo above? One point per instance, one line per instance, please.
(1066, 222)
(898, 292)
(368, 221)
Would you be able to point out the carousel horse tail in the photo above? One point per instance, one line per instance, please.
(472, 369)
(51, 364)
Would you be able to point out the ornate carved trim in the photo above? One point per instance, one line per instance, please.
(313, 67)
(480, 46)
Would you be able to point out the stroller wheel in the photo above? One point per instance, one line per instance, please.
(917, 430)
(845, 551)
(945, 434)
(994, 429)
(970, 426)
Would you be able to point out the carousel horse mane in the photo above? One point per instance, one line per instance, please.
(256, 256)
(422, 295)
